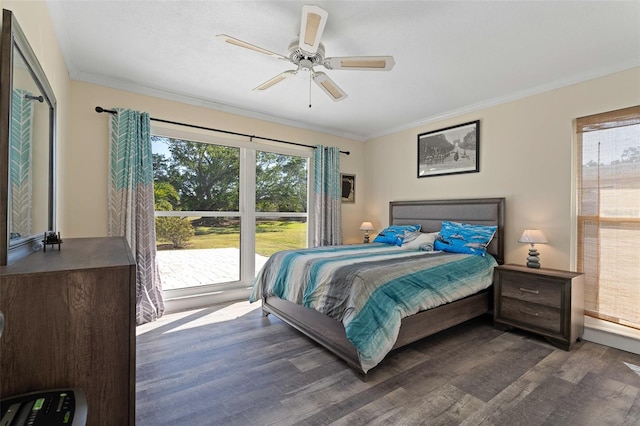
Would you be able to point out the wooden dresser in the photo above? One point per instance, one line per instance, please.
(70, 322)
(549, 302)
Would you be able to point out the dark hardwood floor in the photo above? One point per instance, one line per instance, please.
(232, 366)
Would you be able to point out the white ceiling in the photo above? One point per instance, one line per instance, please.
(451, 56)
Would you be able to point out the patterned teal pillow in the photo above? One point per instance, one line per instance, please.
(395, 234)
(458, 237)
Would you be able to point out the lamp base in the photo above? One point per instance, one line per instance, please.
(366, 238)
(533, 260)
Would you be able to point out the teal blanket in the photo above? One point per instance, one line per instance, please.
(371, 287)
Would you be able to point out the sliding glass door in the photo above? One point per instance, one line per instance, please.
(222, 210)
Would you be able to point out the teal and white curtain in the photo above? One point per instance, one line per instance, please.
(20, 170)
(327, 196)
(131, 207)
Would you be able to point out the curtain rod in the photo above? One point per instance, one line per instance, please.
(99, 109)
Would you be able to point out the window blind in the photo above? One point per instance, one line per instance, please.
(609, 214)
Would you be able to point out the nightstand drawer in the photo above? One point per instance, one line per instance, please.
(532, 314)
(541, 291)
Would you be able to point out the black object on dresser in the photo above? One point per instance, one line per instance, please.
(548, 302)
(59, 407)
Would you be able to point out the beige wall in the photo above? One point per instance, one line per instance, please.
(33, 17)
(526, 149)
(84, 212)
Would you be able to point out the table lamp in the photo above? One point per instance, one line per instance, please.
(533, 236)
(366, 227)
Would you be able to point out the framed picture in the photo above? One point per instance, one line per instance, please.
(449, 151)
(348, 188)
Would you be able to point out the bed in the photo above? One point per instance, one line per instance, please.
(430, 214)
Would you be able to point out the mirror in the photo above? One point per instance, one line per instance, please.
(27, 141)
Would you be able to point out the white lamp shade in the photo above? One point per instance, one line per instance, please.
(366, 226)
(533, 236)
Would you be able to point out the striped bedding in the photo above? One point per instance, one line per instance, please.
(371, 287)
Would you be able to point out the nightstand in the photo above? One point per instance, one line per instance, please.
(548, 302)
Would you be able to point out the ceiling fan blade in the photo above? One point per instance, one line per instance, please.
(275, 80)
(329, 87)
(311, 28)
(236, 42)
(368, 63)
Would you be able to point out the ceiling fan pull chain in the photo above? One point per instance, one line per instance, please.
(309, 89)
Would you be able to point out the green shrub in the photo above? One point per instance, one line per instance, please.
(177, 230)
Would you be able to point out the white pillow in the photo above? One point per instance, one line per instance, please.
(424, 242)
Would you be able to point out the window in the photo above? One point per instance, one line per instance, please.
(222, 208)
(609, 214)
(281, 204)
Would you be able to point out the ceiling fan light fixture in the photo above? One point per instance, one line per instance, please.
(329, 87)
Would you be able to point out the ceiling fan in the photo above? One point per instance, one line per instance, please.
(307, 51)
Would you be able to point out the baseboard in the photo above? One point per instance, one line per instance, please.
(611, 334)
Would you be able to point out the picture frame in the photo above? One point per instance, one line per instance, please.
(348, 188)
(449, 151)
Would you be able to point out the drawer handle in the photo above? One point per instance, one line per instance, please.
(523, 311)
(528, 290)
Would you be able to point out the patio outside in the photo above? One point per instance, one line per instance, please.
(188, 268)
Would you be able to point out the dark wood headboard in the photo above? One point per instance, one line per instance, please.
(431, 213)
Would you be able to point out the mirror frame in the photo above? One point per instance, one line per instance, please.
(13, 37)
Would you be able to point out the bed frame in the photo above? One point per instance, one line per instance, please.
(429, 213)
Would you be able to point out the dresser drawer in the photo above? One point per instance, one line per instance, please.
(541, 291)
(543, 317)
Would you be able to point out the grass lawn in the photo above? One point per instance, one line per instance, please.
(271, 236)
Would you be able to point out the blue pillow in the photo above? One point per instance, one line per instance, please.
(455, 237)
(395, 234)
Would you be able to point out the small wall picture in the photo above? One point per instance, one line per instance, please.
(348, 188)
(449, 151)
